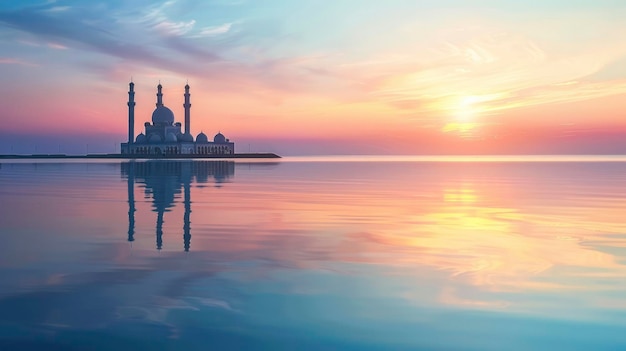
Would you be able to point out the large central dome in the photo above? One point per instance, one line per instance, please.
(162, 115)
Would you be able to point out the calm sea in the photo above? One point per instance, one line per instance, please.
(315, 253)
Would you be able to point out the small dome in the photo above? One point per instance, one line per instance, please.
(170, 137)
(141, 138)
(154, 138)
(162, 115)
(202, 138)
(185, 137)
(219, 138)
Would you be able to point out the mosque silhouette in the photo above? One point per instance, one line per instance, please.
(165, 137)
(162, 181)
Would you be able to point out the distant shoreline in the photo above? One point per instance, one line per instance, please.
(143, 157)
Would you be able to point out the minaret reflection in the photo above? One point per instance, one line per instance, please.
(187, 225)
(163, 181)
(131, 204)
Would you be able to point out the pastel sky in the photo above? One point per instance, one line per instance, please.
(312, 76)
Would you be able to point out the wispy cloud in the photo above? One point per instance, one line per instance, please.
(57, 9)
(512, 70)
(213, 31)
(157, 18)
(85, 30)
(171, 28)
(57, 46)
(12, 61)
(154, 39)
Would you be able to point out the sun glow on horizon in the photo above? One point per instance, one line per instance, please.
(464, 130)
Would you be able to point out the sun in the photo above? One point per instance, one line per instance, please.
(464, 122)
(466, 110)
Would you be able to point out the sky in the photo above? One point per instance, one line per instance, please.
(319, 77)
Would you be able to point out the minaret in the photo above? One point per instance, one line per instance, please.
(187, 107)
(131, 113)
(159, 102)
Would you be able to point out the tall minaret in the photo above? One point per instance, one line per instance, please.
(159, 102)
(187, 107)
(131, 112)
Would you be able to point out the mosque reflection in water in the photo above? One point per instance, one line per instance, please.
(163, 181)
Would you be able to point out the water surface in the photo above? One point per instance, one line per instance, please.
(358, 253)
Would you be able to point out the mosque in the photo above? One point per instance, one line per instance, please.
(164, 137)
